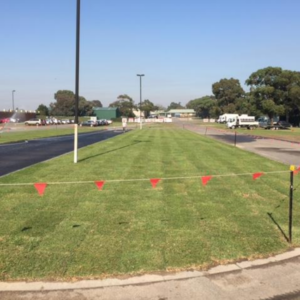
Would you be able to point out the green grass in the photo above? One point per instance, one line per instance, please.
(75, 230)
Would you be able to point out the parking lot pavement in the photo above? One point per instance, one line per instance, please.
(17, 156)
(278, 150)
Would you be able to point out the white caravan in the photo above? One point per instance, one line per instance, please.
(224, 118)
(242, 121)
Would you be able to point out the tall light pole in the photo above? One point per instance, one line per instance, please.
(140, 75)
(13, 100)
(77, 81)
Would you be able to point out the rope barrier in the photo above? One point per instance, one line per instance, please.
(145, 179)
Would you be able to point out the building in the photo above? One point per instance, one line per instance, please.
(182, 113)
(107, 113)
(158, 113)
(137, 113)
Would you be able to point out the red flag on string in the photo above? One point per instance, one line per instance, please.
(99, 184)
(154, 182)
(257, 175)
(205, 179)
(297, 171)
(40, 187)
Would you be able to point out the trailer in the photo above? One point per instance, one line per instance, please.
(243, 121)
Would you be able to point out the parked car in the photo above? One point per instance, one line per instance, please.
(65, 121)
(89, 123)
(49, 122)
(102, 122)
(5, 120)
(283, 125)
(35, 121)
(277, 125)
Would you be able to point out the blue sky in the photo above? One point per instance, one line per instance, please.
(182, 47)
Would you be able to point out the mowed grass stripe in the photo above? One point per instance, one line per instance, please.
(129, 227)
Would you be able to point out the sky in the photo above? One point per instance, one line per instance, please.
(182, 47)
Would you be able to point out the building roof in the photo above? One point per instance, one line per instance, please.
(181, 111)
(105, 108)
(157, 112)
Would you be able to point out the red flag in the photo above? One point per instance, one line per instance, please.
(40, 187)
(257, 175)
(206, 179)
(154, 182)
(297, 171)
(99, 184)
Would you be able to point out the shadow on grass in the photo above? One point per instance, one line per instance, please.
(113, 150)
(278, 226)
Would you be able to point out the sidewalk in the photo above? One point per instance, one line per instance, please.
(274, 278)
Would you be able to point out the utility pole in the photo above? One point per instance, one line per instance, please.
(140, 75)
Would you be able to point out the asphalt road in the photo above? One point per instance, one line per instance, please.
(17, 156)
(275, 149)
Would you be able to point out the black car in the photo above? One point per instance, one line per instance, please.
(283, 125)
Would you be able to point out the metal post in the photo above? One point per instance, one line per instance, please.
(292, 168)
(77, 81)
(13, 100)
(235, 138)
(140, 75)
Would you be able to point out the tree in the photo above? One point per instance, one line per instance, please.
(175, 105)
(65, 104)
(160, 107)
(227, 92)
(43, 110)
(147, 106)
(96, 103)
(267, 89)
(125, 104)
(203, 106)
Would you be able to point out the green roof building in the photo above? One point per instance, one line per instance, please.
(107, 113)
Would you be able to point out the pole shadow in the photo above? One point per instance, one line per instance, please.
(109, 151)
(278, 226)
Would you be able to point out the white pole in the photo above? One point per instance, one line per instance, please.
(75, 143)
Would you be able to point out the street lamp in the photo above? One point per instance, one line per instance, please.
(13, 102)
(140, 75)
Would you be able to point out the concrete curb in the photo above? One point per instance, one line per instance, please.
(144, 279)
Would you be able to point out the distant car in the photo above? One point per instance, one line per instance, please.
(35, 121)
(89, 123)
(100, 123)
(5, 120)
(283, 125)
(65, 121)
(277, 125)
(13, 120)
(49, 122)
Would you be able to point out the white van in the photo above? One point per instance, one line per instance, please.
(242, 121)
(224, 118)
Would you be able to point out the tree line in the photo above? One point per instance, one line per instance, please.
(65, 105)
(273, 92)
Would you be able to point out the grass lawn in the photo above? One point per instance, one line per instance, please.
(75, 230)
(30, 133)
(289, 135)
